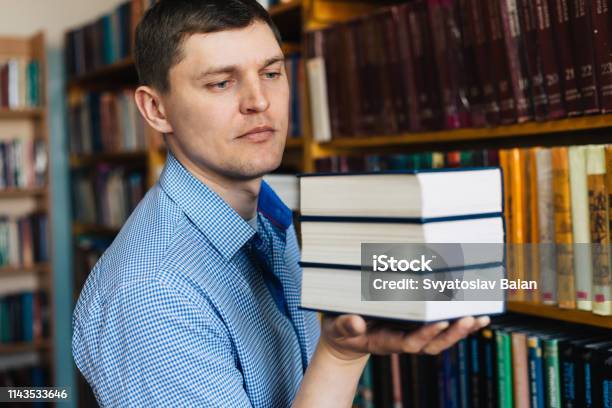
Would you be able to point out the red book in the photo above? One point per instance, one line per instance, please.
(585, 55)
(529, 37)
(424, 64)
(499, 62)
(477, 24)
(547, 48)
(447, 49)
(519, 81)
(560, 17)
(600, 19)
(475, 93)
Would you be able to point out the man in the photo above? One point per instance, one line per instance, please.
(196, 302)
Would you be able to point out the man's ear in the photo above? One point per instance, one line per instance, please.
(152, 109)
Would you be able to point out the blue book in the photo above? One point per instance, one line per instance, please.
(536, 371)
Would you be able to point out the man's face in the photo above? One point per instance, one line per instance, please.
(228, 84)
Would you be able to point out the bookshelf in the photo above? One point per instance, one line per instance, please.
(322, 14)
(22, 122)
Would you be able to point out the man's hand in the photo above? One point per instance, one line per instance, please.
(349, 337)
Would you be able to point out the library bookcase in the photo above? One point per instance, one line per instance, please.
(24, 120)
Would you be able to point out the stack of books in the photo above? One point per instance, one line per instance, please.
(19, 83)
(340, 212)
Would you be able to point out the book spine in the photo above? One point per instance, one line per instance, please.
(560, 12)
(483, 65)
(533, 59)
(602, 43)
(425, 69)
(504, 368)
(563, 229)
(551, 365)
(599, 223)
(519, 81)
(499, 62)
(520, 369)
(536, 372)
(476, 392)
(580, 226)
(546, 230)
(602, 277)
(396, 381)
(411, 120)
(585, 55)
(446, 46)
(464, 375)
(475, 93)
(547, 49)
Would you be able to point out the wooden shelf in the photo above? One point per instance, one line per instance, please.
(40, 268)
(472, 134)
(120, 69)
(283, 8)
(566, 315)
(22, 347)
(80, 160)
(28, 113)
(80, 228)
(294, 143)
(22, 192)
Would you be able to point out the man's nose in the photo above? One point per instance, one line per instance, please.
(253, 98)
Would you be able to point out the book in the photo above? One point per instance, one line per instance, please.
(336, 240)
(439, 193)
(580, 227)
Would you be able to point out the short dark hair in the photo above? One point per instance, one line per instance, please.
(165, 26)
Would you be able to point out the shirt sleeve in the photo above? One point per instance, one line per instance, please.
(154, 347)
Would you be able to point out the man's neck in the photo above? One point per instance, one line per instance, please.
(241, 195)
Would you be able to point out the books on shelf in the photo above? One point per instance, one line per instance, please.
(23, 163)
(107, 194)
(105, 41)
(24, 240)
(105, 122)
(487, 63)
(19, 83)
(23, 309)
(552, 189)
(295, 75)
(515, 361)
(340, 212)
(23, 370)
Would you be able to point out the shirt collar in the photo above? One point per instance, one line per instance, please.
(221, 224)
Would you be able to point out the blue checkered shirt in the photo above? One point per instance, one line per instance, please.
(175, 313)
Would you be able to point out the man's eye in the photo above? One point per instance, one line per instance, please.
(219, 85)
(272, 75)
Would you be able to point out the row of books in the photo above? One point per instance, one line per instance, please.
(432, 64)
(105, 122)
(556, 214)
(107, 194)
(105, 41)
(24, 370)
(24, 240)
(557, 208)
(19, 83)
(519, 362)
(23, 163)
(23, 317)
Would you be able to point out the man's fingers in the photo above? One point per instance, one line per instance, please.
(349, 326)
(393, 341)
(456, 332)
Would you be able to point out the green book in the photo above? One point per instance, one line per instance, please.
(551, 368)
(504, 368)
